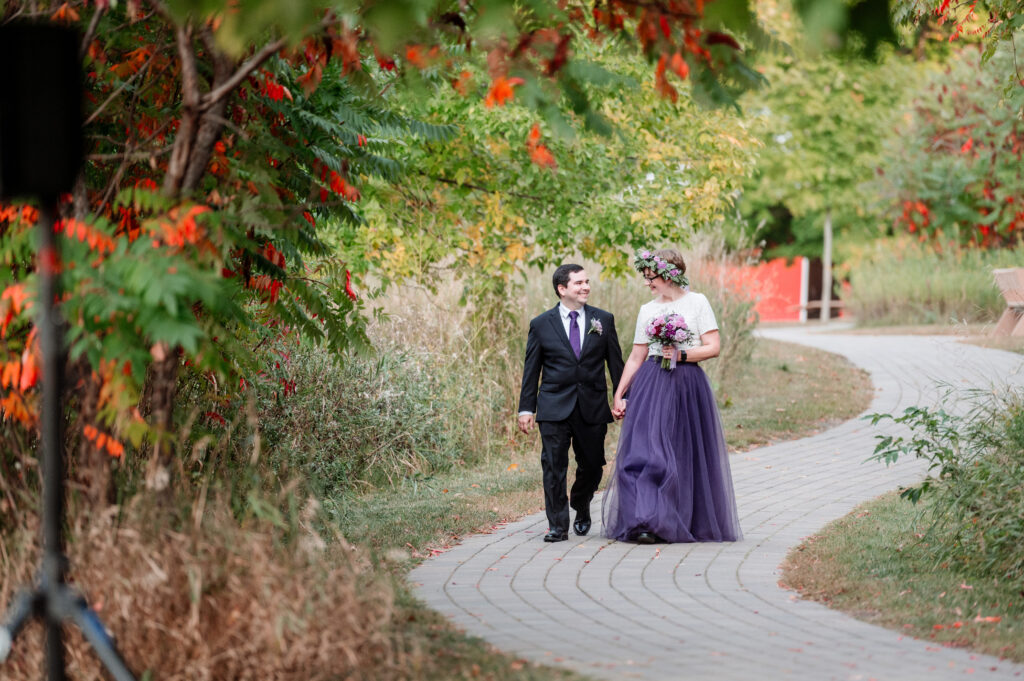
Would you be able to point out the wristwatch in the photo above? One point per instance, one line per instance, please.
(682, 355)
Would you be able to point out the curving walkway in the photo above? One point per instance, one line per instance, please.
(714, 611)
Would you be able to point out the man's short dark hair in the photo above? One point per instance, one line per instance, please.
(561, 276)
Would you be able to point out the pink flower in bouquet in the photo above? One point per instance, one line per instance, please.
(669, 329)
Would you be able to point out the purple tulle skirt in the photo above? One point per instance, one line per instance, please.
(672, 474)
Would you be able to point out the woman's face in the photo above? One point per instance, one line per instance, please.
(656, 284)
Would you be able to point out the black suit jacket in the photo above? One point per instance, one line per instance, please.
(565, 380)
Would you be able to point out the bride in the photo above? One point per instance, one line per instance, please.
(672, 481)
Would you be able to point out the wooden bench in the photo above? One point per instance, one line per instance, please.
(1011, 284)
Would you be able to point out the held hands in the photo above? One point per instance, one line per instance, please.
(526, 422)
(619, 408)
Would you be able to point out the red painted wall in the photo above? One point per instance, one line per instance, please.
(775, 285)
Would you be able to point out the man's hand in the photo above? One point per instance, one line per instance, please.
(526, 422)
(619, 409)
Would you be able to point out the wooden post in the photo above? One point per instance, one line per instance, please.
(826, 270)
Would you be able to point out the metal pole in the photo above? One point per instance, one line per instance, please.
(51, 422)
(826, 270)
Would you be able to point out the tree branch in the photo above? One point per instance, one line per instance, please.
(178, 164)
(212, 97)
(91, 31)
(491, 190)
(115, 93)
(130, 155)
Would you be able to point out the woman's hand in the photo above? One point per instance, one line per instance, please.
(619, 408)
(669, 352)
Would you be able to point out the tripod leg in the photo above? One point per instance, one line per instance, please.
(55, 651)
(22, 608)
(96, 634)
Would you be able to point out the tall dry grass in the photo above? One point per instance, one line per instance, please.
(901, 281)
(226, 601)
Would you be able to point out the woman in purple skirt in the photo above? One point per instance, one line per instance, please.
(672, 481)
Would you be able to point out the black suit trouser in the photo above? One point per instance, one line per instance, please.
(587, 440)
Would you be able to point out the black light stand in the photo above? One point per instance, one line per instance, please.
(40, 155)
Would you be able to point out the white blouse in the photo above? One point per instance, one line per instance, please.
(694, 308)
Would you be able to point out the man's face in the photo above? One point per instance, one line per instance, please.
(576, 293)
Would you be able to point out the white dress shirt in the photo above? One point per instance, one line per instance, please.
(564, 311)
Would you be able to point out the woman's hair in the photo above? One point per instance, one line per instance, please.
(672, 256)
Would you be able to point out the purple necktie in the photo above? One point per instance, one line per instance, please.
(574, 333)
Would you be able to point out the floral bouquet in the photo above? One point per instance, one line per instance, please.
(669, 329)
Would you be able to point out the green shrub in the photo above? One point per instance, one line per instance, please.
(976, 456)
(374, 420)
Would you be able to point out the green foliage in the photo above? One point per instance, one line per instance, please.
(976, 456)
(992, 24)
(957, 174)
(823, 123)
(481, 206)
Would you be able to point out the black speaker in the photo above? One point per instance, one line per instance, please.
(41, 144)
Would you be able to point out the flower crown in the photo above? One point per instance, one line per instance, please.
(647, 260)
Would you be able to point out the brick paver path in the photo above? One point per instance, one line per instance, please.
(715, 611)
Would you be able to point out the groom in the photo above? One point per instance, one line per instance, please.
(566, 351)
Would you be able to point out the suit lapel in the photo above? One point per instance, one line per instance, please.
(556, 323)
(588, 316)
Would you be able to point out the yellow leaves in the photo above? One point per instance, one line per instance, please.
(609, 258)
(494, 243)
(732, 140)
(516, 251)
(396, 259)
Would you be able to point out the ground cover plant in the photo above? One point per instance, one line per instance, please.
(943, 559)
(874, 564)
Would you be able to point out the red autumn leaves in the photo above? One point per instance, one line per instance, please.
(677, 65)
(501, 91)
(539, 153)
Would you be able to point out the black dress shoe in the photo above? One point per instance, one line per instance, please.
(647, 538)
(581, 526)
(556, 535)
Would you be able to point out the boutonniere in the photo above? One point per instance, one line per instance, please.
(595, 327)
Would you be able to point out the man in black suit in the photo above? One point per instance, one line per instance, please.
(566, 352)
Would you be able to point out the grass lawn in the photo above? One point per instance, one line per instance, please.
(810, 390)
(872, 565)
